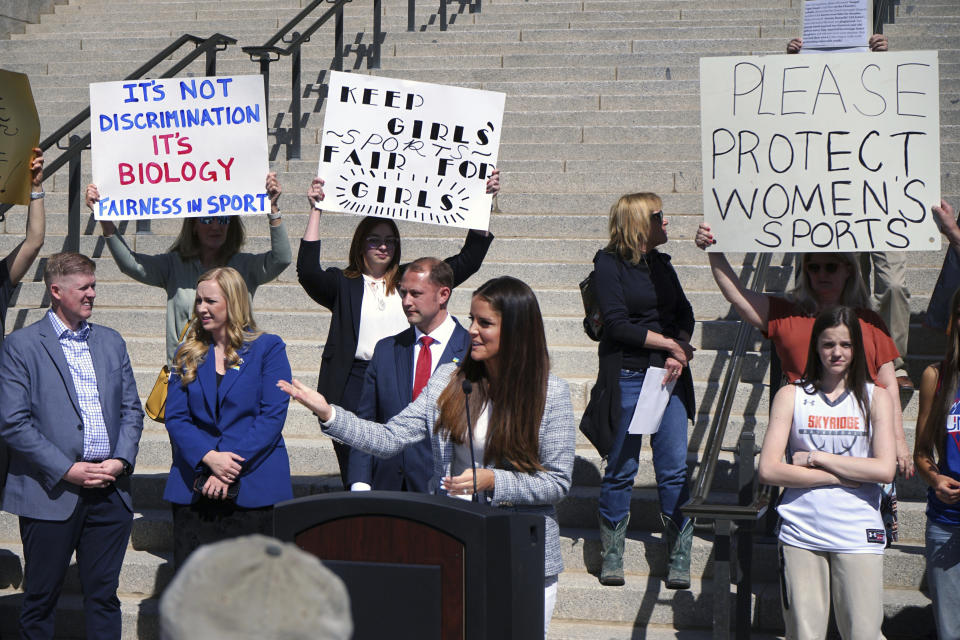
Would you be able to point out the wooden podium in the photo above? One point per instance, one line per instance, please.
(425, 567)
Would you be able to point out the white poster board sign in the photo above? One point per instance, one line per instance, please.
(829, 24)
(409, 150)
(836, 152)
(179, 147)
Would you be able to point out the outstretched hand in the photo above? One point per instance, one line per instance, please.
(307, 397)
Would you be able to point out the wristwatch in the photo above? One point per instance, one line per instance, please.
(36, 195)
(274, 216)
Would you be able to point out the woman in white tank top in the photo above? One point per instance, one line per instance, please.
(829, 444)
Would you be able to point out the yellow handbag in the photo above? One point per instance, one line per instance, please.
(156, 403)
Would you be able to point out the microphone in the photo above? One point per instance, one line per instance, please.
(467, 387)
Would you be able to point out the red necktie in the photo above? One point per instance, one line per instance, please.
(424, 366)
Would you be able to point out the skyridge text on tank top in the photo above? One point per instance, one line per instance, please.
(833, 425)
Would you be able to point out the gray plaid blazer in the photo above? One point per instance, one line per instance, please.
(515, 490)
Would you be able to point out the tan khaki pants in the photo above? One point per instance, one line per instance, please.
(855, 582)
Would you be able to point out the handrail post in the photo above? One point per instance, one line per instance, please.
(443, 15)
(721, 579)
(265, 72)
(338, 40)
(293, 149)
(211, 66)
(475, 6)
(411, 15)
(74, 198)
(377, 31)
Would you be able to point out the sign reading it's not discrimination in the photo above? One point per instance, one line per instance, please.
(834, 152)
(409, 150)
(179, 147)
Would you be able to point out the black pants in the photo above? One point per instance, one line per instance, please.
(207, 521)
(350, 400)
(98, 530)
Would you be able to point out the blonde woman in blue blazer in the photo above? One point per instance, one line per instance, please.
(225, 416)
(524, 434)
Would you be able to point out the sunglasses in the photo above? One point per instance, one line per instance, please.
(657, 216)
(374, 242)
(217, 219)
(829, 267)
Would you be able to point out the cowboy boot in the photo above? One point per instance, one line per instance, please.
(612, 542)
(679, 542)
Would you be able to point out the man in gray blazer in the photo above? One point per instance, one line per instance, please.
(70, 413)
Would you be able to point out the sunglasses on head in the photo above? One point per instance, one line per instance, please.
(217, 219)
(829, 267)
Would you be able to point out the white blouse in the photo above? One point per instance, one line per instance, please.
(381, 316)
(461, 452)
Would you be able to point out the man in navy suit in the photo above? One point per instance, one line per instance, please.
(400, 368)
(70, 413)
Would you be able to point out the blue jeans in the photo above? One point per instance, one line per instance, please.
(943, 577)
(669, 445)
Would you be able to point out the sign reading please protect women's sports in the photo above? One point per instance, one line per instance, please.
(409, 150)
(827, 152)
(179, 147)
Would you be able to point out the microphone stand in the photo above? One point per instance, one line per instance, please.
(467, 390)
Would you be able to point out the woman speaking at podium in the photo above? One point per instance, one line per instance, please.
(520, 414)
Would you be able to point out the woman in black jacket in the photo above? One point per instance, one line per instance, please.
(363, 297)
(647, 323)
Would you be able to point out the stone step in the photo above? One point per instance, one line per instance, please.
(906, 611)
(139, 615)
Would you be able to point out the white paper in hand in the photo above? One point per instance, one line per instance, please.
(654, 396)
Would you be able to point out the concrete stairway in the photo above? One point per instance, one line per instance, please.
(602, 99)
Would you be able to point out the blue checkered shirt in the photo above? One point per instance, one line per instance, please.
(96, 441)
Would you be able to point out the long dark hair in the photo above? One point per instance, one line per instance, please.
(857, 376)
(932, 435)
(355, 261)
(519, 394)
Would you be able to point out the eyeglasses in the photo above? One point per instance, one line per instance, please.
(829, 267)
(374, 242)
(217, 219)
(657, 216)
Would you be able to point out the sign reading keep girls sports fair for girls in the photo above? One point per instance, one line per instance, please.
(409, 150)
(179, 147)
(827, 152)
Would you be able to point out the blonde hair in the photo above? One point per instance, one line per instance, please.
(188, 248)
(240, 327)
(630, 224)
(854, 291)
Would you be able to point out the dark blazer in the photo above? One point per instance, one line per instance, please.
(602, 415)
(343, 296)
(387, 390)
(40, 417)
(252, 413)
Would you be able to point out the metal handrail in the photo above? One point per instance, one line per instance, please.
(78, 144)
(270, 52)
(728, 519)
(718, 427)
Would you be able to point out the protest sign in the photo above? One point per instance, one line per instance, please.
(836, 24)
(179, 147)
(835, 152)
(409, 150)
(19, 134)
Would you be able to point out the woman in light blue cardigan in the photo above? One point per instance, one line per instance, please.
(203, 243)
(524, 435)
